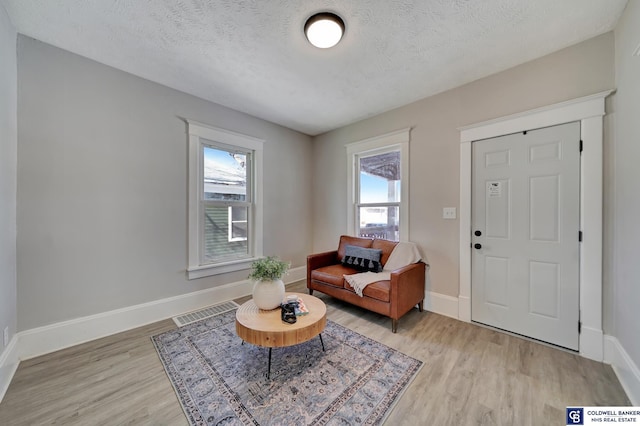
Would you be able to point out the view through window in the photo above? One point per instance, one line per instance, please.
(226, 203)
(378, 204)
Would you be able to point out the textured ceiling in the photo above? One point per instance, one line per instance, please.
(252, 56)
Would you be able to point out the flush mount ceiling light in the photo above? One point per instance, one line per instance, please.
(324, 29)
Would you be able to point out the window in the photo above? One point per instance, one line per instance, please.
(225, 217)
(226, 202)
(378, 197)
(378, 187)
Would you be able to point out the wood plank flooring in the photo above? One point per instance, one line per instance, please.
(471, 376)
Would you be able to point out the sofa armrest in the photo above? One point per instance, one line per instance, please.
(318, 260)
(411, 267)
(407, 288)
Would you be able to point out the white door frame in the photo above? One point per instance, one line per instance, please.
(589, 110)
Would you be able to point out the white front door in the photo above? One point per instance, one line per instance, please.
(525, 233)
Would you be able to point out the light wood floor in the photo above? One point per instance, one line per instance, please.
(471, 376)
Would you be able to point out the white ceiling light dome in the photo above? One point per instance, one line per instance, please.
(324, 29)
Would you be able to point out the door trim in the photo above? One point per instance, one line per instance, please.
(589, 111)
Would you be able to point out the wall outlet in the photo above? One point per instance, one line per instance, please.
(5, 336)
(449, 213)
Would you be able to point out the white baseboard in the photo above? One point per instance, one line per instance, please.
(53, 337)
(49, 338)
(441, 304)
(624, 367)
(295, 274)
(9, 361)
(591, 343)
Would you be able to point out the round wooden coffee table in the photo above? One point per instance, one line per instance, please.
(266, 328)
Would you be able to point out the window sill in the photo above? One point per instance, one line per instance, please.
(194, 272)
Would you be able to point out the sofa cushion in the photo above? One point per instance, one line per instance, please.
(380, 290)
(332, 275)
(362, 259)
(386, 246)
(346, 240)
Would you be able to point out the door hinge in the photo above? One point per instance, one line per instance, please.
(580, 236)
(579, 321)
(581, 145)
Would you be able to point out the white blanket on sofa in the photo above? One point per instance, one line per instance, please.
(404, 253)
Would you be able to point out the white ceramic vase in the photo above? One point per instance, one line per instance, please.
(268, 295)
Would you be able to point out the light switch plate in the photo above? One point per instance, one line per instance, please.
(449, 213)
(5, 336)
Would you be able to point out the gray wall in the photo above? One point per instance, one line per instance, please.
(8, 161)
(626, 185)
(580, 70)
(102, 187)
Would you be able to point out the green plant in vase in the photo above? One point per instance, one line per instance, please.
(268, 288)
(268, 268)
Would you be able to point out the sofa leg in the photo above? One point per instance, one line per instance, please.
(394, 325)
(421, 305)
(310, 292)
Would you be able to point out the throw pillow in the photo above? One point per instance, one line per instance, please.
(362, 259)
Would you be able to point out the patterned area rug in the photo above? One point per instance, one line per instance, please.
(220, 381)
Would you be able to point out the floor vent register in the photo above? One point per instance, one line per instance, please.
(207, 312)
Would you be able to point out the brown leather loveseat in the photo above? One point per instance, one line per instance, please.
(393, 298)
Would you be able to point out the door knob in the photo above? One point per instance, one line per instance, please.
(477, 246)
(478, 233)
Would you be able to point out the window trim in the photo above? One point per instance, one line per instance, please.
(398, 139)
(199, 134)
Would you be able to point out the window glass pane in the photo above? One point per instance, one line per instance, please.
(217, 244)
(380, 178)
(238, 223)
(239, 231)
(225, 175)
(379, 222)
(239, 214)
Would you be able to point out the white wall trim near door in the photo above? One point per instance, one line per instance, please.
(589, 111)
(53, 337)
(9, 362)
(624, 367)
(442, 304)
